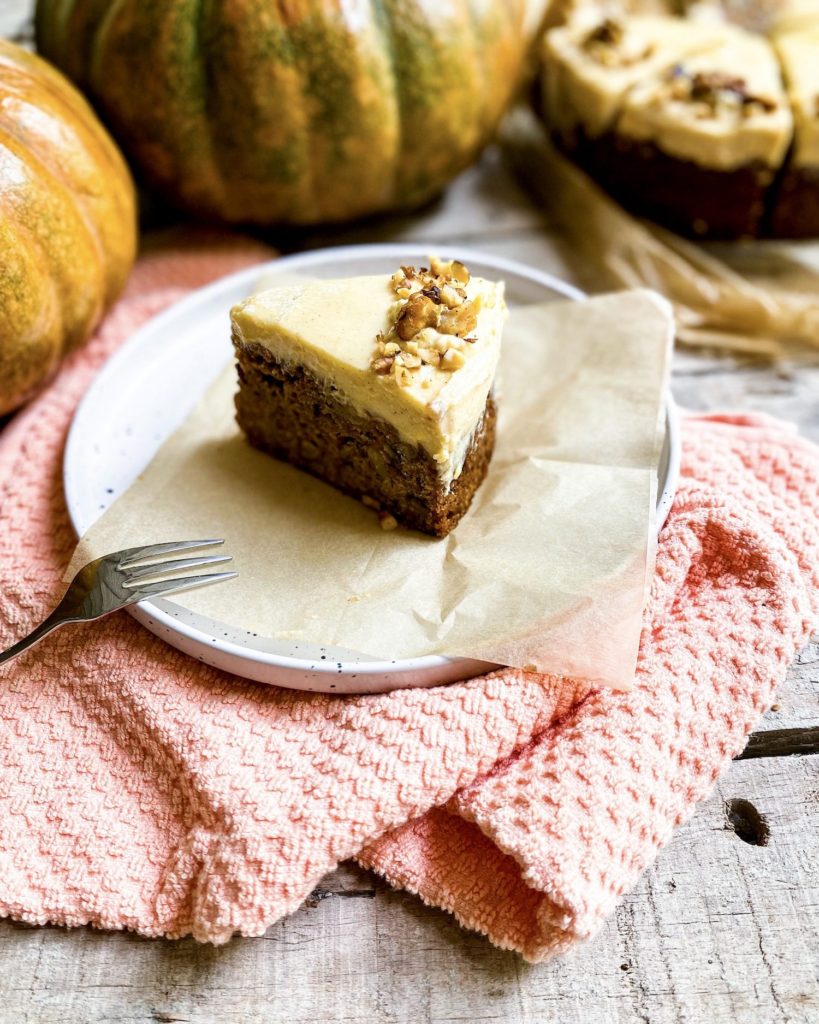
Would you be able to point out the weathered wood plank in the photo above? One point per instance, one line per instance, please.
(787, 390)
(15, 19)
(719, 930)
(796, 705)
(782, 742)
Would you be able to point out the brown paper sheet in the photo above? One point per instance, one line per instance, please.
(758, 298)
(547, 570)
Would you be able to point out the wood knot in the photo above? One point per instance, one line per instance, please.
(743, 818)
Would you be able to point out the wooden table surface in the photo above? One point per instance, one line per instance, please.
(723, 928)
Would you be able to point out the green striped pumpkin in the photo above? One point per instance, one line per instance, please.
(300, 111)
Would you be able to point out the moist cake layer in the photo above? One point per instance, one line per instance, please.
(285, 410)
(690, 199)
(795, 211)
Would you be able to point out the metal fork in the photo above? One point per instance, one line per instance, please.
(115, 581)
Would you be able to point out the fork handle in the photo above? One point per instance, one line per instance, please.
(35, 636)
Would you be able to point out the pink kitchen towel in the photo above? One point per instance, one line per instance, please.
(140, 789)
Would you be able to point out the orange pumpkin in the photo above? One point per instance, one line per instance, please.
(299, 111)
(67, 222)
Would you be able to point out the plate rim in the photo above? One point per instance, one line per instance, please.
(387, 250)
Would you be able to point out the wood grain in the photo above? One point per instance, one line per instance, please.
(718, 930)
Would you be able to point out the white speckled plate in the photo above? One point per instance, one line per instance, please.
(148, 388)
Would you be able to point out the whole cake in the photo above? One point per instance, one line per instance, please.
(702, 125)
(381, 386)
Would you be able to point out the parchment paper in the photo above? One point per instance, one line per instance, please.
(757, 298)
(548, 569)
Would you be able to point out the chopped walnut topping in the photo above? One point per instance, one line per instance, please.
(432, 321)
(715, 92)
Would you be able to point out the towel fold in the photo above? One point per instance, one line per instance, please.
(140, 789)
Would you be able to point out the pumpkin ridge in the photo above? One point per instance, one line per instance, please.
(258, 95)
(173, 91)
(355, 120)
(382, 22)
(55, 172)
(40, 75)
(70, 108)
(204, 59)
(11, 215)
(283, 8)
(96, 47)
(480, 66)
(75, 328)
(35, 246)
(41, 332)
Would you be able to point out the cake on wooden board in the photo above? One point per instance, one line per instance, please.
(381, 386)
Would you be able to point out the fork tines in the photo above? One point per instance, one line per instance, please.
(142, 577)
(129, 556)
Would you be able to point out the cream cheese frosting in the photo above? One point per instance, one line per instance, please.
(722, 109)
(799, 52)
(790, 15)
(332, 329)
(592, 63)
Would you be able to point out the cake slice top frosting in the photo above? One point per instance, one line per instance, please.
(338, 331)
(724, 108)
(799, 52)
(592, 64)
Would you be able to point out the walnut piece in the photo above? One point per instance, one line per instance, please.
(387, 521)
(419, 312)
(460, 320)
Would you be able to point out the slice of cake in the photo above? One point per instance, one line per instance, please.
(698, 147)
(796, 210)
(380, 386)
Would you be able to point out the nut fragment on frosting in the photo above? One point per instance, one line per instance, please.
(609, 45)
(716, 93)
(432, 322)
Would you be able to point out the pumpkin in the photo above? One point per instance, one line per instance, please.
(299, 111)
(67, 222)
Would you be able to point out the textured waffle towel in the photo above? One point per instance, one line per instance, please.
(139, 789)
